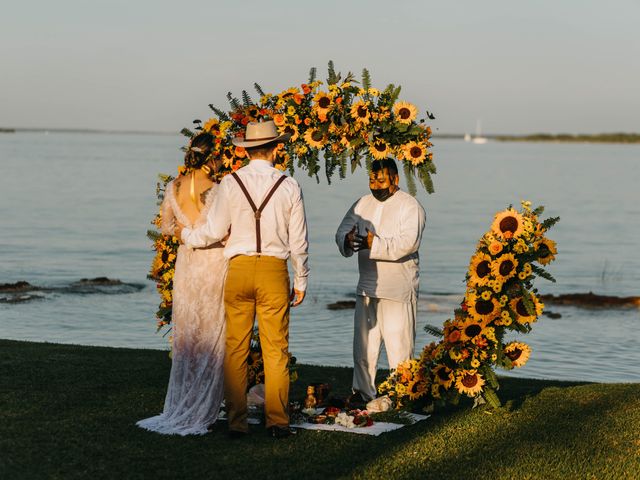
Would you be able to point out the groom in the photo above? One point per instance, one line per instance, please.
(263, 212)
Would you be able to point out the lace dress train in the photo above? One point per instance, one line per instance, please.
(195, 390)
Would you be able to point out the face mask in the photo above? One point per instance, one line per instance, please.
(381, 194)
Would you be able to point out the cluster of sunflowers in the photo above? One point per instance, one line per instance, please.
(163, 264)
(340, 120)
(500, 297)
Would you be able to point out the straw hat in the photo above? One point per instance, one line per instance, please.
(260, 133)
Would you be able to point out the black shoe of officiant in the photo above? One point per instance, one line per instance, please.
(280, 432)
(356, 400)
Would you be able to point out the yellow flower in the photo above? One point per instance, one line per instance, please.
(360, 112)
(507, 224)
(416, 389)
(374, 92)
(315, 138)
(379, 149)
(518, 353)
(405, 112)
(469, 382)
(547, 251)
(291, 129)
(523, 316)
(211, 125)
(482, 310)
(415, 152)
(522, 275)
(479, 269)
(504, 267)
(475, 363)
(486, 295)
(322, 101)
(443, 375)
(470, 329)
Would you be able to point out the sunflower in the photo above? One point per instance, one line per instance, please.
(360, 112)
(504, 267)
(227, 157)
(290, 129)
(482, 310)
(323, 102)
(405, 112)
(212, 126)
(508, 224)
(315, 138)
(518, 353)
(469, 382)
(523, 316)
(479, 269)
(547, 251)
(415, 152)
(470, 329)
(443, 375)
(379, 149)
(416, 389)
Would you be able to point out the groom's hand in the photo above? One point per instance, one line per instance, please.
(177, 232)
(296, 297)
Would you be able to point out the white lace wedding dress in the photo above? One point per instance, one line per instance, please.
(195, 389)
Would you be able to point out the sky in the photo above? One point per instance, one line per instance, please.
(517, 67)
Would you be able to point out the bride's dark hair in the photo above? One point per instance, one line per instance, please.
(199, 149)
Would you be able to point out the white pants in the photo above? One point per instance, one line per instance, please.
(380, 320)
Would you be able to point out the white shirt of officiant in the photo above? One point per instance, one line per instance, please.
(390, 269)
(283, 221)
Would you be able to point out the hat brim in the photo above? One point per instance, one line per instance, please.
(241, 142)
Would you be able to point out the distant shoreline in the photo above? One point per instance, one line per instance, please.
(619, 137)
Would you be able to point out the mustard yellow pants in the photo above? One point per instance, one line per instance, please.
(257, 285)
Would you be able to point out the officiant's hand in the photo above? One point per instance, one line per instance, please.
(349, 239)
(363, 242)
(296, 297)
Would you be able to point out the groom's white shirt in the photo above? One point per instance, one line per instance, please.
(283, 221)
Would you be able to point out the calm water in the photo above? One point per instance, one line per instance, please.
(78, 205)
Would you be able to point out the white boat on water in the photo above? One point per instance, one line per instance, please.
(478, 139)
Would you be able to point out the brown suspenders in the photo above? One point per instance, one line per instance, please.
(258, 211)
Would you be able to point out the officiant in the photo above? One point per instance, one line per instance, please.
(385, 229)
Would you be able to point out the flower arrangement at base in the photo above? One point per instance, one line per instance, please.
(500, 298)
(255, 363)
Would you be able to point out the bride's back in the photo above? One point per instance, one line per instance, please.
(192, 201)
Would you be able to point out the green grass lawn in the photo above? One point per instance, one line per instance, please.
(69, 412)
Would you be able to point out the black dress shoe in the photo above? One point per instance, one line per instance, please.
(281, 432)
(236, 434)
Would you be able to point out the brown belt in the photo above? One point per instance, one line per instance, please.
(257, 211)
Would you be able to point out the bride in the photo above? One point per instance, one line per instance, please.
(195, 388)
